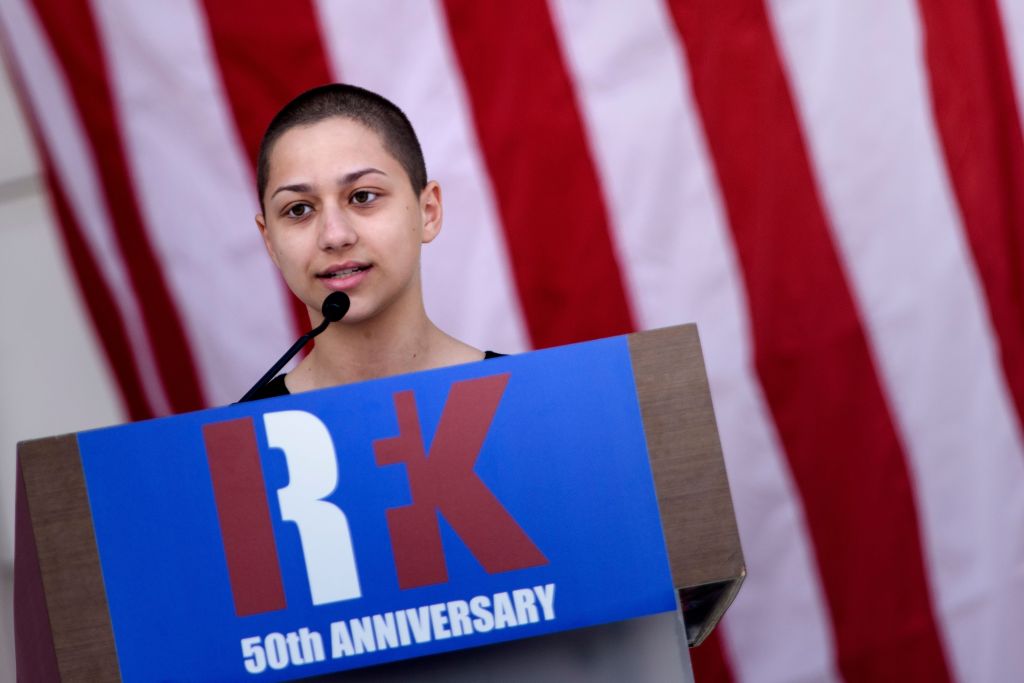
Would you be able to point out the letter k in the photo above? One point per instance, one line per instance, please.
(445, 482)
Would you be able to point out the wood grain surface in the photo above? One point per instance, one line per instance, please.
(689, 473)
(58, 505)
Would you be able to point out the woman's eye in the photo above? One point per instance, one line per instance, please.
(298, 210)
(363, 197)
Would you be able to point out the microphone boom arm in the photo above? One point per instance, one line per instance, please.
(334, 308)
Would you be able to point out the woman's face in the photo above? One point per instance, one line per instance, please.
(341, 215)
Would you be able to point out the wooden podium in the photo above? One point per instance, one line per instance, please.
(64, 627)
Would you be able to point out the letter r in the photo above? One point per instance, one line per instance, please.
(323, 527)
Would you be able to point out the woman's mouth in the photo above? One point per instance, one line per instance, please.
(343, 273)
(344, 276)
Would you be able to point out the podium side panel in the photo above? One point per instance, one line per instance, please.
(33, 639)
(686, 456)
(58, 508)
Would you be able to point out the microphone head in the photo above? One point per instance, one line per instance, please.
(335, 306)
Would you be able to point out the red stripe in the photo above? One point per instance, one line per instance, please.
(709, 662)
(549, 198)
(106, 317)
(812, 356)
(980, 126)
(75, 42)
(244, 515)
(269, 52)
(103, 311)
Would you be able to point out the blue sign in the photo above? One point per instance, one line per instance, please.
(379, 521)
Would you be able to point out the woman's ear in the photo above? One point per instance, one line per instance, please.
(261, 223)
(431, 211)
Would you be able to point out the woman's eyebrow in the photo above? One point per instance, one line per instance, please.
(298, 187)
(350, 178)
(346, 179)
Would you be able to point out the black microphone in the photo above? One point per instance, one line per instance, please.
(334, 308)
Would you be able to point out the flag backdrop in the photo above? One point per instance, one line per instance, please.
(832, 190)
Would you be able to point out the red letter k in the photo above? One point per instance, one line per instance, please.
(445, 482)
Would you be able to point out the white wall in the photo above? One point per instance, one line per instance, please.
(53, 377)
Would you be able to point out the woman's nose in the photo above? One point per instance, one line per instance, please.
(336, 231)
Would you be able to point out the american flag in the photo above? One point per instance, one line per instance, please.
(833, 190)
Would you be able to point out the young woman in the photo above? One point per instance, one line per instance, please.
(346, 206)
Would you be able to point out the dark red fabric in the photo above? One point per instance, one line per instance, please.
(709, 662)
(261, 75)
(550, 201)
(976, 112)
(811, 353)
(104, 314)
(72, 34)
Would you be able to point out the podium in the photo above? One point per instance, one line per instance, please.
(527, 549)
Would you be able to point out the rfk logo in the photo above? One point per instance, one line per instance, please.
(441, 480)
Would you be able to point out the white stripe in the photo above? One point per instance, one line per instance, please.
(669, 224)
(195, 191)
(401, 51)
(1012, 13)
(862, 91)
(76, 171)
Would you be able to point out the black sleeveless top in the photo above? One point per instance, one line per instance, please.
(277, 387)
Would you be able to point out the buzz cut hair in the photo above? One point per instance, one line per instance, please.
(345, 101)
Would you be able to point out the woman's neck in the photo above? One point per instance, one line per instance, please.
(377, 348)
